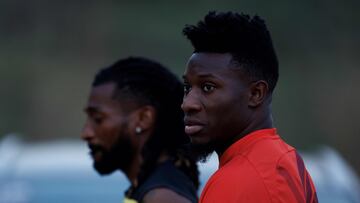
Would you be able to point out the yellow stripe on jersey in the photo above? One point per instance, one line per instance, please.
(127, 200)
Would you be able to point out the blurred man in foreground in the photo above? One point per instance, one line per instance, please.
(228, 86)
(135, 124)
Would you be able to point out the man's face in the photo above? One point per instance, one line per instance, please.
(215, 101)
(106, 131)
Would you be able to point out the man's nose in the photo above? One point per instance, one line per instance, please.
(191, 102)
(87, 132)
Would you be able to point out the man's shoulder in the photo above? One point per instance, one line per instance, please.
(159, 195)
(235, 183)
(265, 154)
(235, 174)
(270, 147)
(166, 177)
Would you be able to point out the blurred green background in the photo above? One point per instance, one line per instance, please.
(50, 50)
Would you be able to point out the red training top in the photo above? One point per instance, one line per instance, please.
(260, 167)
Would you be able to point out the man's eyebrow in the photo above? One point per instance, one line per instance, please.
(203, 75)
(91, 109)
(207, 75)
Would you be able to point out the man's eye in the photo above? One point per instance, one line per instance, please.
(187, 88)
(97, 119)
(208, 88)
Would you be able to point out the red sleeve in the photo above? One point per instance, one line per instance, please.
(232, 185)
(294, 182)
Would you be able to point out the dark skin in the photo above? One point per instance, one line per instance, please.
(105, 125)
(108, 120)
(222, 103)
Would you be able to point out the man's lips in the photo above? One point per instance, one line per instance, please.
(193, 126)
(94, 149)
(192, 129)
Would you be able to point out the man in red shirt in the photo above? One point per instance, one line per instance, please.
(228, 85)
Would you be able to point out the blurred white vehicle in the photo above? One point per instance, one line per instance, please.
(61, 172)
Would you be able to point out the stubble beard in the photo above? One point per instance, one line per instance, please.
(202, 151)
(120, 156)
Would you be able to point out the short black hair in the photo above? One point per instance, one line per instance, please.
(147, 82)
(246, 38)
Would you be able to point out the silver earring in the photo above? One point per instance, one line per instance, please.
(138, 130)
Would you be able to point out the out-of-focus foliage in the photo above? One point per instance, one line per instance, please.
(50, 50)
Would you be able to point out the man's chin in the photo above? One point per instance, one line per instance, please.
(202, 152)
(104, 169)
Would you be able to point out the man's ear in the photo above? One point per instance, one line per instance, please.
(142, 120)
(258, 93)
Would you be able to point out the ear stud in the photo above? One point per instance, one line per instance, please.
(138, 130)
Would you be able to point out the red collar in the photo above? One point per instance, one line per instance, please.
(244, 143)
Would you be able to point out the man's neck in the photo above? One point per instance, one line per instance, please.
(134, 169)
(263, 122)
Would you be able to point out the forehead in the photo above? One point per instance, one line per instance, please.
(101, 98)
(209, 64)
